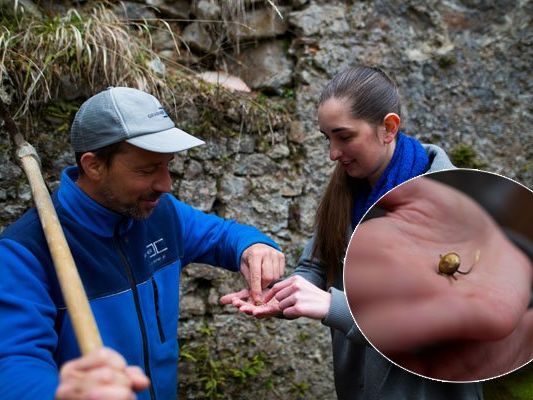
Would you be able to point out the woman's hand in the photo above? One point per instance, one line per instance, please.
(407, 309)
(297, 297)
(473, 360)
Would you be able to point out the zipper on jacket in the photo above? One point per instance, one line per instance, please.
(135, 292)
(157, 314)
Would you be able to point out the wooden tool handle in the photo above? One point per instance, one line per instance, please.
(71, 286)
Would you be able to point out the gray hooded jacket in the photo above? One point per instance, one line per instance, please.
(360, 371)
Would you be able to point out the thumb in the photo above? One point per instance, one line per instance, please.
(400, 195)
(139, 381)
(409, 192)
(228, 298)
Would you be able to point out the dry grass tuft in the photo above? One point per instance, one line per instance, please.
(95, 49)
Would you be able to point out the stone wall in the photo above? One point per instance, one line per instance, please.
(463, 68)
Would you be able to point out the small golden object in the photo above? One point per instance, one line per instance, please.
(449, 264)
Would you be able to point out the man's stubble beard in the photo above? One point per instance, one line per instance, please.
(130, 211)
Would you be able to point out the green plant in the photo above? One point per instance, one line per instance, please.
(515, 386)
(207, 330)
(62, 113)
(288, 93)
(464, 156)
(218, 376)
(215, 375)
(303, 336)
(248, 368)
(299, 389)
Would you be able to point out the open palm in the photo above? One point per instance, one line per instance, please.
(404, 306)
(242, 300)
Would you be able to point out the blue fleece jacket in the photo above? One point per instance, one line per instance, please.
(130, 270)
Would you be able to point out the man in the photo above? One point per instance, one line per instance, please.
(130, 241)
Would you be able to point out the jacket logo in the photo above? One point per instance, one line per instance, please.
(155, 248)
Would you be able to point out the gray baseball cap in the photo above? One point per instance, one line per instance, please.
(121, 113)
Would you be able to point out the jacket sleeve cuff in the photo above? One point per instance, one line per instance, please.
(338, 316)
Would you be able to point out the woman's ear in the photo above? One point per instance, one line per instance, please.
(92, 166)
(392, 124)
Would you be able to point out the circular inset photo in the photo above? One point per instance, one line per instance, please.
(439, 275)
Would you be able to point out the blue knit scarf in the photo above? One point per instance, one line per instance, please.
(409, 160)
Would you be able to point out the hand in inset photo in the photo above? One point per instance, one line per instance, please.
(422, 315)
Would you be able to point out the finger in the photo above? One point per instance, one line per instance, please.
(247, 308)
(397, 327)
(269, 295)
(277, 269)
(367, 273)
(267, 310)
(238, 303)
(287, 302)
(228, 298)
(69, 370)
(104, 356)
(292, 313)
(110, 393)
(139, 381)
(277, 287)
(268, 270)
(284, 293)
(251, 261)
(255, 278)
(511, 352)
(281, 264)
(106, 376)
(403, 194)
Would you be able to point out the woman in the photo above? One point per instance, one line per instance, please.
(359, 115)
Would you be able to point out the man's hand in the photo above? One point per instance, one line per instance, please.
(100, 375)
(260, 265)
(408, 310)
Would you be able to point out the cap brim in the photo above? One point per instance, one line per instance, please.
(169, 141)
